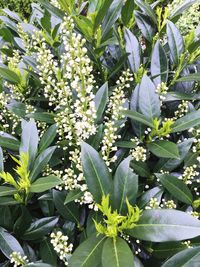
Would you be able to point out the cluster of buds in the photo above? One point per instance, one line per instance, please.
(139, 153)
(189, 174)
(153, 204)
(182, 109)
(162, 90)
(61, 246)
(18, 260)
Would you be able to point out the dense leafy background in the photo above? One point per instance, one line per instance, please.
(100, 134)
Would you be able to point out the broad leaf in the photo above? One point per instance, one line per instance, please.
(175, 41)
(73, 195)
(132, 47)
(96, 173)
(39, 228)
(8, 243)
(136, 116)
(188, 258)
(47, 252)
(164, 149)
(41, 161)
(125, 186)
(8, 142)
(190, 120)
(88, 253)
(164, 225)
(176, 187)
(9, 75)
(45, 183)
(149, 103)
(48, 137)
(184, 6)
(116, 253)
(159, 64)
(7, 191)
(146, 8)
(190, 78)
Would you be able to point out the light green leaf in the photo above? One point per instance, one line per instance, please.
(45, 183)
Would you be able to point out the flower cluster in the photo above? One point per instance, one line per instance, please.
(18, 260)
(189, 174)
(153, 204)
(139, 153)
(162, 90)
(182, 109)
(61, 246)
(114, 117)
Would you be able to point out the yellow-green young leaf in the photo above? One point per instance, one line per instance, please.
(176, 187)
(164, 149)
(45, 183)
(96, 173)
(116, 253)
(88, 254)
(188, 258)
(162, 225)
(190, 120)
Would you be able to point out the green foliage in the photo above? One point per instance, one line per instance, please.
(99, 134)
(23, 8)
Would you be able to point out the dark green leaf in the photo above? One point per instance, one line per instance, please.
(176, 187)
(8, 243)
(9, 143)
(47, 252)
(41, 161)
(42, 116)
(188, 258)
(127, 12)
(48, 137)
(7, 191)
(132, 47)
(190, 120)
(159, 64)
(39, 228)
(190, 78)
(149, 103)
(101, 100)
(116, 253)
(165, 225)
(175, 41)
(73, 195)
(88, 253)
(101, 13)
(96, 173)
(1, 159)
(155, 192)
(136, 116)
(146, 8)
(125, 186)
(164, 149)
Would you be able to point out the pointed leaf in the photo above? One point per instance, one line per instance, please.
(132, 47)
(9, 75)
(176, 187)
(116, 253)
(136, 116)
(96, 173)
(48, 137)
(88, 253)
(125, 186)
(45, 183)
(164, 149)
(190, 120)
(101, 100)
(165, 225)
(149, 103)
(7, 191)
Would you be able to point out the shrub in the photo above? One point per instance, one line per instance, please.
(100, 152)
(21, 7)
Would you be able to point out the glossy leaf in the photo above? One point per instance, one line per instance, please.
(175, 40)
(176, 187)
(125, 186)
(9, 143)
(73, 195)
(45, 183)
(136, 116)
(165, 225)
(101, 100)
(47, 252)
(39, 228)
(149, 103)
(95, 172)
(9, 75)
(132, 47)
(190, 78)
(116, 253)
(164, 149)
(159, 64)
(8, 243)
(48, 137)
(186, 122)
(7, 191)
(146, 8)
(88, 253)
(188, 258)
